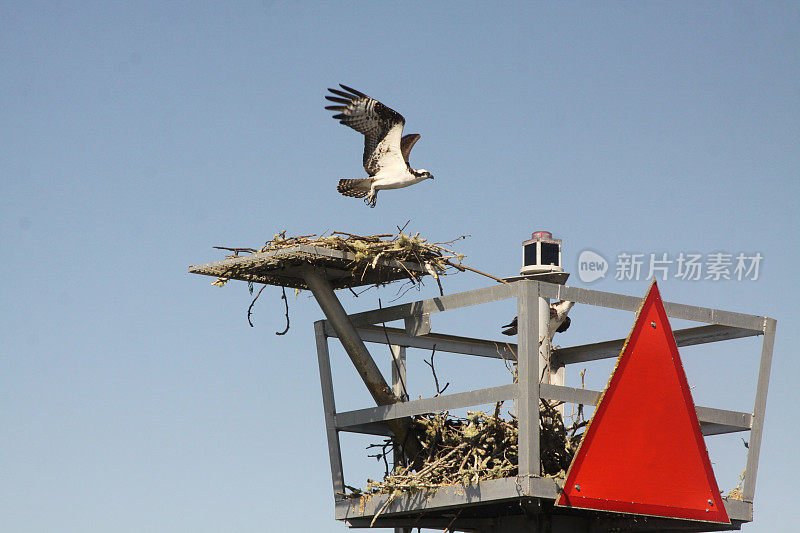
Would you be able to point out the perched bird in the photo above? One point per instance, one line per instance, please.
(559, 321)
(386, 150)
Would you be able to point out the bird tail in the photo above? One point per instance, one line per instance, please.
(357, 188)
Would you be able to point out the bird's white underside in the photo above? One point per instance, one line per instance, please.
(393, 173)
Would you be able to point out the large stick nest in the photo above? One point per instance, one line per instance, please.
(415, 256)
(476, 448)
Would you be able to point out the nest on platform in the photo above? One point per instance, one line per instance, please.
(370, 259)
(477, 448)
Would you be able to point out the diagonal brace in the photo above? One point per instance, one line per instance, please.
(354, 346)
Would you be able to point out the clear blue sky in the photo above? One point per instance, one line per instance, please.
(135, 136)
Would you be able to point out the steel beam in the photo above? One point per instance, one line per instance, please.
(349, 419)
(412, 508)
(348, 336)
(528, 381)
(759, 410)
(399, 387)
(418, 325)
(373, 428)
(435, 305)
(560, 356)
(569, 394)
(329, 408)
(447, 496)
(443, 342)
(631, 303)
(683, 337)
(448, 525)
(713, 421)
(359, 355)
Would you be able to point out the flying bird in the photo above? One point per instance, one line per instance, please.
(386, 149)
(559, 321)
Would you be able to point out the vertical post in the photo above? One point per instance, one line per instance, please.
(399, 389)
(399, 371)
(528, 378)
(329, 407)
(759, 408)
(544, 340)
(557, 377)
(398, 385)
(550, 371)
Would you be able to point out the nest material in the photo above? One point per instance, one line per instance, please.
(369, 251)
(477, 448)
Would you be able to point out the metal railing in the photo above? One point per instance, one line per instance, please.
(532, 299)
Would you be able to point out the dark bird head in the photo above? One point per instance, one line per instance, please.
(424, 174)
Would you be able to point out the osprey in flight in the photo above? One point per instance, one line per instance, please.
(386, 149)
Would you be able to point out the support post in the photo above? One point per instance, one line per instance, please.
(545, 371)
(399, 371)
(759, 410)
(528, 378)
(329, 407)
(550, 371)
(399, 389)
(360, 356)
(398, 354)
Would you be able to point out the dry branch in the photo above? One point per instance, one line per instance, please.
(370, 251)
(476, 448)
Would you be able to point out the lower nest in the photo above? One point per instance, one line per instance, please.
(477, 448)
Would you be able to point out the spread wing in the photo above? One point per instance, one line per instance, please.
(407, 143)
(380, 125)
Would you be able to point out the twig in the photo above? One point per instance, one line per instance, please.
(286, 303)
(465, 267)
(435, 379)
(510, 364)
(236, 251)
(354, 489)
(454, 240)
(250, 309)
(439, 283)
(411, 275)
(411, 285)
(371, 237)
(453, 521)
(384, 506)
(383, 453)
(369, 287)
(400, 230)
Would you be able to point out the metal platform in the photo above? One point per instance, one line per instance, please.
(526, 502)
(287, 267)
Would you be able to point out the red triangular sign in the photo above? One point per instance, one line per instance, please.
(643, 452)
